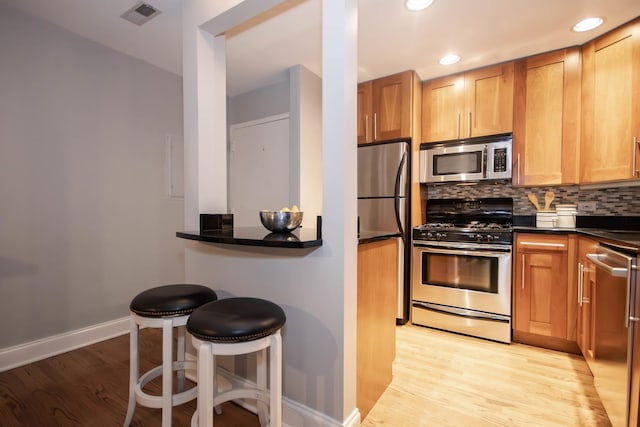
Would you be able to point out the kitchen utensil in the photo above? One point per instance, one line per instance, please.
(280, 222)
(548, 198)
(533, 199)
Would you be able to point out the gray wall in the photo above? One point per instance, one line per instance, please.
(84, 220)
(257, 104)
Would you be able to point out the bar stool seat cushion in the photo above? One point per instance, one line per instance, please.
(171, 300)
(238, 319)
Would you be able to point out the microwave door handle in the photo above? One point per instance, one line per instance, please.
(484, 162)
(396, 193)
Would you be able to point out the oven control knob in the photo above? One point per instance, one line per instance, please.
(478, 237)
(440, 236)
(429, 235)
(490, 238)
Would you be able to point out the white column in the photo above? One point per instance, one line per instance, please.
(339, 74)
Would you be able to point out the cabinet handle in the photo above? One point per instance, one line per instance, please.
(518, 169)
(580, 283)
(522, 272)
(542, 244)
(366, 128)
(634, 169)
(458, 125)
(469, 124)
(375, 126)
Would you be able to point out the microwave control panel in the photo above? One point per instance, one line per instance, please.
(500, 160)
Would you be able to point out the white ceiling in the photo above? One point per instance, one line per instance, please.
(391, 38)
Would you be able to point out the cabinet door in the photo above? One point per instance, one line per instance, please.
(542, 298)
(442, 107)
(365, 119)
(546, 118)
(392, 106)
(611, 111)
(586, 288)
(541, 285)
(488, 101)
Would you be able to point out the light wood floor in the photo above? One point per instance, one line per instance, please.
(444, 379)
(440, 379)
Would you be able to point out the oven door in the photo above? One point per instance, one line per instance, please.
(467, 276)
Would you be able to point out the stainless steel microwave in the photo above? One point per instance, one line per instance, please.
(473, 159)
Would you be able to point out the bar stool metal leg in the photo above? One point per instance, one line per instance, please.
(133, 370)
(180, 357)
(167, 371)
(275, 382)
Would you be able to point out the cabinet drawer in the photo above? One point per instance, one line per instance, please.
(541, 243)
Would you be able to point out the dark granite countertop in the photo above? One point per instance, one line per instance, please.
(257, 236)
(623, 232)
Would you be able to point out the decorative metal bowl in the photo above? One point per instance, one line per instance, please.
(280, 222)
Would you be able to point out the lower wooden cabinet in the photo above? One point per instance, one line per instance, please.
(544, 313)
(585, 297)
(376, 320)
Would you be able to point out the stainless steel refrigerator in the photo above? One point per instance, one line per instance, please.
(384, 204)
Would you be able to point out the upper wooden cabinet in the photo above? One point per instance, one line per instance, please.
(611, 106)
(386, 107)
(546, 119)
(475, 103)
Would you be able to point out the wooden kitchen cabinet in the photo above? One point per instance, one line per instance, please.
(546, 119)
(543, 313)
(390, 108)
(376, 320)
(475, 103)
(386, 107)
(611, 106)
(585, 297)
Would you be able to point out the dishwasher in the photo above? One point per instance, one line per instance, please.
(615, 323)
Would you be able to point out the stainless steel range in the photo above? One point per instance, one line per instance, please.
(461, 279)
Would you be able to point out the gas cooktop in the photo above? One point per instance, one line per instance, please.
(487, 220)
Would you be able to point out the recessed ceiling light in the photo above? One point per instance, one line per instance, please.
(418, 4)
(588, 24)
(452, 58)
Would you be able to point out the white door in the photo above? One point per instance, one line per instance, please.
(259, 169)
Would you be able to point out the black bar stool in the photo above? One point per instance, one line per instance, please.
(165, 307)
(234, 326)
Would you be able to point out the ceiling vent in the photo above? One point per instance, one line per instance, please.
(140, 13)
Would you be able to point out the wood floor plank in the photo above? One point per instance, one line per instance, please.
(89, 387)
(445, 379)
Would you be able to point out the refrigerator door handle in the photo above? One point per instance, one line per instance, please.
(396, 194)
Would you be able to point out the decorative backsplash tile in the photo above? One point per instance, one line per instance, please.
(622, 201)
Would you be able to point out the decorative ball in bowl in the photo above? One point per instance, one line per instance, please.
(281, 222)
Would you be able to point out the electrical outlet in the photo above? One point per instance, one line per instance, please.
(586, 206)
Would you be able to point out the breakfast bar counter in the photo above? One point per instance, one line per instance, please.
(257, 236)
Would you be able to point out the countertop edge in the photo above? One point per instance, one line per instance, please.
(230, 240)
(377, 238)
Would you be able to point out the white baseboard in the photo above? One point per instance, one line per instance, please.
(294, 414)
(19, 355)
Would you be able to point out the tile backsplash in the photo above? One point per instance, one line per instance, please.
(623, 201)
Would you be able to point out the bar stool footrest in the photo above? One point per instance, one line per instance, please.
(155, 401)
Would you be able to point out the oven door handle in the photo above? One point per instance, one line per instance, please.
(463, 252)
(462, 312)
